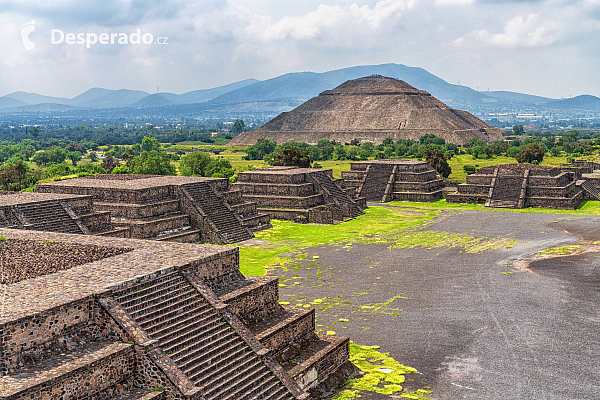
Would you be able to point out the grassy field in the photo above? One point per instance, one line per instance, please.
(235, 156)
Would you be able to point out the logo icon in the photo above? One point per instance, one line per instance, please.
(25, 31)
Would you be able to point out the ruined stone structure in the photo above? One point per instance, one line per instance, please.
(521, 185)
(303, 195)
(113, 318)
(55, 213)
(371, 109)
(394, 180)
(168, 208)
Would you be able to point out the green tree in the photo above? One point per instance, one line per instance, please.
(530, 153)
(430, 138)
(194, 164)
(290, 155)
(260, 149)
(238, 127)
(109, 163)
(35, 131)
(219, 168)
(74, 156)
(518, 130)
(151, 163)
(437, 160)
(149, 144)
(16, 176)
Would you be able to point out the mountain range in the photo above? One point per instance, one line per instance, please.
(288, 91)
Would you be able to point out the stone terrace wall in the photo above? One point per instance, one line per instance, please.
(519, 169)
(36, 337)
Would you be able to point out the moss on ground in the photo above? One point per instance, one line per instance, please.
(382, 374)
(288, 238)
(564, 250)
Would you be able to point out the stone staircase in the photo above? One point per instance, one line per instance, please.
(374, 183)
(201, 343)
(506, 191)
(590, 189)
(337, 194)
(229, 227)
(48, 216)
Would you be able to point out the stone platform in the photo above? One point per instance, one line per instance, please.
(169, 208)
(393, 180)
(146, 320)
(303, 195)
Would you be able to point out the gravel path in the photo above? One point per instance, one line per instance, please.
(472, 324)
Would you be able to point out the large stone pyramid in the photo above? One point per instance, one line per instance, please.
(371, 109)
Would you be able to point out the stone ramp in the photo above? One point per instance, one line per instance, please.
(48, 216)
(336, 194)
(200, 342)
(229, 227)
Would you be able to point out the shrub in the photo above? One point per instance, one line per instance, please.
(469, 169)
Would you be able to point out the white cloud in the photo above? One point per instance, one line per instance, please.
(454, 2)
(326, 18)
(527, 31)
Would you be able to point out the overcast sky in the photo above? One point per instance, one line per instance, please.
(544, 47)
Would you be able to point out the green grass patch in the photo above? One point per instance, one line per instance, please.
(289, 238)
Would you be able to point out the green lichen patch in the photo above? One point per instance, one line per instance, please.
(382, 374)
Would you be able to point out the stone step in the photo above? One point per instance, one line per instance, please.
(232, 357)
(198, 316)
(117, 232)
(184, 235)
(284, 329)
(142, 289)
(249, 376)
(189, 299)
(150, 293)
(255, 382)
(203, 333)
(197, 353)
(148, 299)
(183, 296)
(329, 351)
(177, 312)
(150, 228)
(175, 318)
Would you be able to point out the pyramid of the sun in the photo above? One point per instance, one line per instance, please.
(371, 109)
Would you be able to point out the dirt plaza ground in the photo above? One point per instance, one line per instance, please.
(467, 299)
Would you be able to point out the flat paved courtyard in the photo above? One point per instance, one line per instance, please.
(475, 325)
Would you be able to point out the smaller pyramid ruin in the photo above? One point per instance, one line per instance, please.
(393, 180)
(523, 185)
(371, 109)
(303, 195)
(167, 208)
